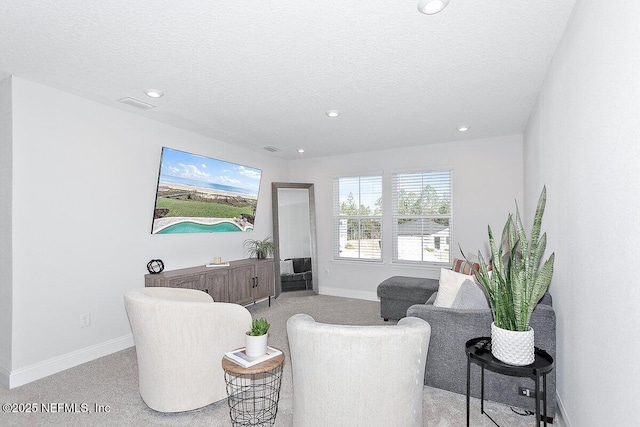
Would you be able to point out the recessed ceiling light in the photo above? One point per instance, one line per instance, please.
(431, 7)
(300, 150)
(463, 128)
(333, 113)
(154, 93)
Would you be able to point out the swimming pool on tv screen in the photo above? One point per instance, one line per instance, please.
(192, 227)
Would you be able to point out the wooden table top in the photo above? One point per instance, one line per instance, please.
(265, 366)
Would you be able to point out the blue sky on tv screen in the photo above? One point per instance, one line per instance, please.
(179, 167)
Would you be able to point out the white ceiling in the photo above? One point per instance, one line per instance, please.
(263, 72)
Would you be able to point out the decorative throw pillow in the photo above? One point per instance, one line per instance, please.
(470, 297)
(464, 267)
(286, 267)
(450, 282)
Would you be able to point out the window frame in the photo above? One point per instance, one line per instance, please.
(338, 217)
(395, 216)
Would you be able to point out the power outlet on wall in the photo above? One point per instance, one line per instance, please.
(526, 392)
(85, 320)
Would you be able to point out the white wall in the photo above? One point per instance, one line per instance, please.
(84, 181)
(582, 140)
(487, 180)
(293, 223)
(5, 230)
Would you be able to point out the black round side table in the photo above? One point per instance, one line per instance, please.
(479, 352)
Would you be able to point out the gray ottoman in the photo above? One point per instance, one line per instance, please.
(398, 293)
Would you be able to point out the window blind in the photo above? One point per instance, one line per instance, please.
(422, 216)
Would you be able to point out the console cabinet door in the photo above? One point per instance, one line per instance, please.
(265, 280)
(195, 281)
(241, 281)
(217, 285)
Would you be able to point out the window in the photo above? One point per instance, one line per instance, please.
(422, 217)
(357, 212)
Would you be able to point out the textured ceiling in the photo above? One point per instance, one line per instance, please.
(264, 72)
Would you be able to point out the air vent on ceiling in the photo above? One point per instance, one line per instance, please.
(271, 148)
(137, 103)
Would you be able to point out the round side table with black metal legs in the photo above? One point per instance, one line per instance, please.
(479, 352)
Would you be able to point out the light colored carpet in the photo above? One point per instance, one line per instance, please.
(113, 381)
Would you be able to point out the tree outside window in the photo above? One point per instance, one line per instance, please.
(358, 217)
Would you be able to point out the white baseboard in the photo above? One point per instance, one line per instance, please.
(57, 364)
(348, 293)
(561, 413)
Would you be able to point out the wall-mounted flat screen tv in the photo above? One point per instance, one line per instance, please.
(198, 194)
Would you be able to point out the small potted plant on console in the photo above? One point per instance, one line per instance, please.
(259, 248)
(256, 339)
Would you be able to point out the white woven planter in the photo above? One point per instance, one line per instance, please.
(512, 347)
(256, 345)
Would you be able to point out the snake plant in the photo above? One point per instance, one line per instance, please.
(516, 282)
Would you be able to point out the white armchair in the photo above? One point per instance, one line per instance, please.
(181, 336)
(357, 375)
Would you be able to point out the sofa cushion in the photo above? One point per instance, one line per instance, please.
(450, 282)
(470, 297)
(286, 267)
(432, 298)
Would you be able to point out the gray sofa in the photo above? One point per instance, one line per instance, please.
(451, 328)
(446, 360)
